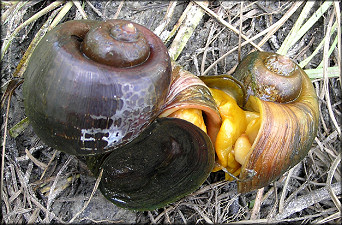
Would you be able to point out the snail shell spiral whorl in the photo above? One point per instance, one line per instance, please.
(93, 86)
(285, 98)
(275, 77)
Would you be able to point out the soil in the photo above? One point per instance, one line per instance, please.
(216, 200)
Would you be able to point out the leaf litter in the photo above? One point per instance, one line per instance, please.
(42, 185)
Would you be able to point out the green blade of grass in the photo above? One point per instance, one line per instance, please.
(19, 127)
(331, 49)
(303, 63)
(318, 72)
(61, 14)
(339, 35)
(80, 8)
(276, 26)
(42, 12)
(15, 7)
(269, 31)
(304, 14)
(185, 31)
(39, 35)
(311, 21)
(294, 37)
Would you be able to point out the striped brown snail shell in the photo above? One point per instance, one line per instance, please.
(288, 122)
(281, 120)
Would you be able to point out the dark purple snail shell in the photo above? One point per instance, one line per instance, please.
(95, 90)
(82, 106)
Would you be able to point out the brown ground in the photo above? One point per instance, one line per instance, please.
(31, 168)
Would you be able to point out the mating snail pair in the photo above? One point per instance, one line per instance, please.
(108, 91)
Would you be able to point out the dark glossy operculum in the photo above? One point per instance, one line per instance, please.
(81, 106)
(169, 160)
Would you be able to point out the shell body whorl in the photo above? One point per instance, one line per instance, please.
(287, 129)
(82, 106)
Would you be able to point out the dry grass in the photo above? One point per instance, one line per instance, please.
(34, 178)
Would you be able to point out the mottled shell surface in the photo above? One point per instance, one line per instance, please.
(82, 106)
